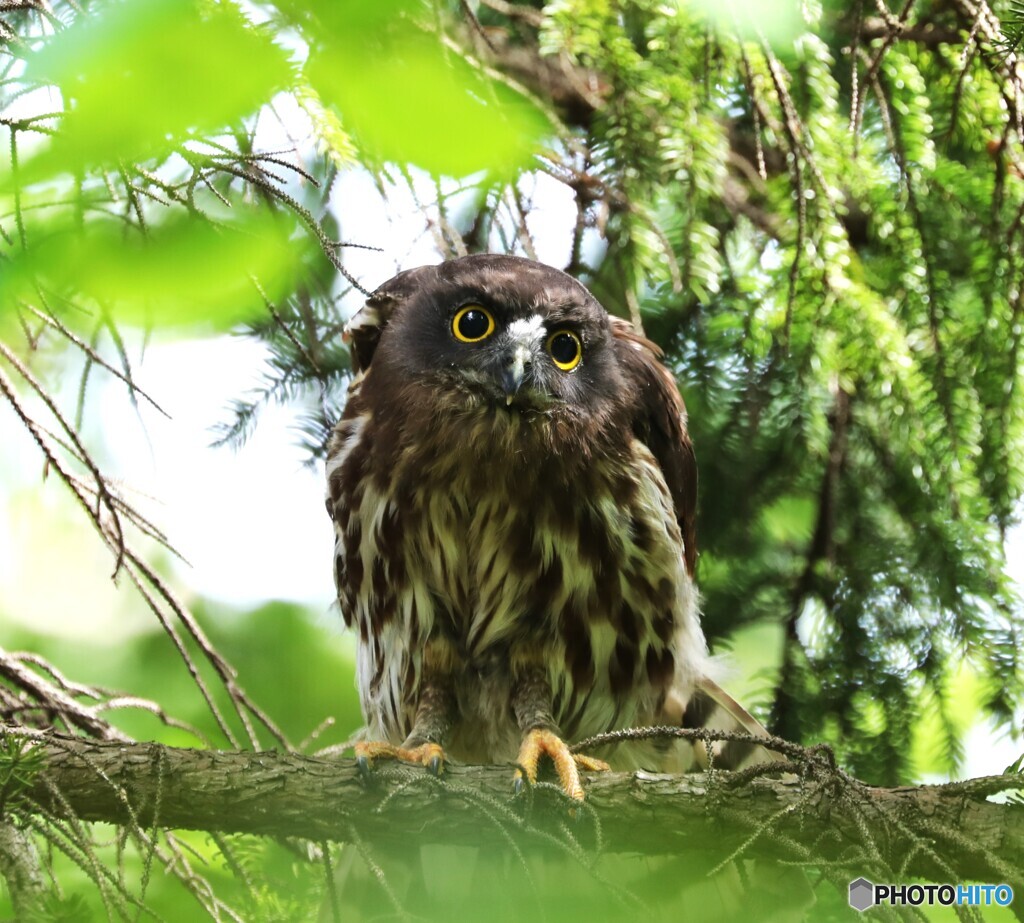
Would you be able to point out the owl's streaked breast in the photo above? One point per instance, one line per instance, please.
(579, 556)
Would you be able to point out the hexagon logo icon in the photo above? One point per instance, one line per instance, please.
(862, 894)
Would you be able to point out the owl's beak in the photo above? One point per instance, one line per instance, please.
(513, 370)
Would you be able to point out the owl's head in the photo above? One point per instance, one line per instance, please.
(497, 330)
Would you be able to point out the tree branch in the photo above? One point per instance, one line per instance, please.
(20, 869)
(814, 814)
(923, 33)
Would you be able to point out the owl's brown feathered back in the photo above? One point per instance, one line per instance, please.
(514, 492)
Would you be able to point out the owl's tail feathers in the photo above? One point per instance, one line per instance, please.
(711, 707)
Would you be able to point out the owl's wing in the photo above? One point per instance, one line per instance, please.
(660, 423)
(362, 332)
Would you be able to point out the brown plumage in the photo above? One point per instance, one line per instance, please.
(513, 491)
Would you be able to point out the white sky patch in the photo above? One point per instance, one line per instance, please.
(988, 751)
(406, 238)
(252, 523)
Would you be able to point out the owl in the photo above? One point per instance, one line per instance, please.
(513, 491)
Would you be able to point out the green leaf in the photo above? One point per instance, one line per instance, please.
(184, 272)
(407, 102)
(142, 75)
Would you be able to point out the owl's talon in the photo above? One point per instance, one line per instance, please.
(567, 764)
(367, 752)
(429, 755)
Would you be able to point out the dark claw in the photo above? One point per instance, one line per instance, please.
(519, 785)
(363, 765)
(435, 767)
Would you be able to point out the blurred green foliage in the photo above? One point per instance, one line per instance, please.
(295, 667)
(181, 273)
(407, 98)
(298, 670)
(139, 78)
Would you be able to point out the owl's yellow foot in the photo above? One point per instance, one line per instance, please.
(567, 764)
(429, 755)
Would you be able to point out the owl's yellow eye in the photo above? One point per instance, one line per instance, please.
(472, 324)
(565, 349)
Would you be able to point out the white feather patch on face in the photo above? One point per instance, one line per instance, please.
(527, 330)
